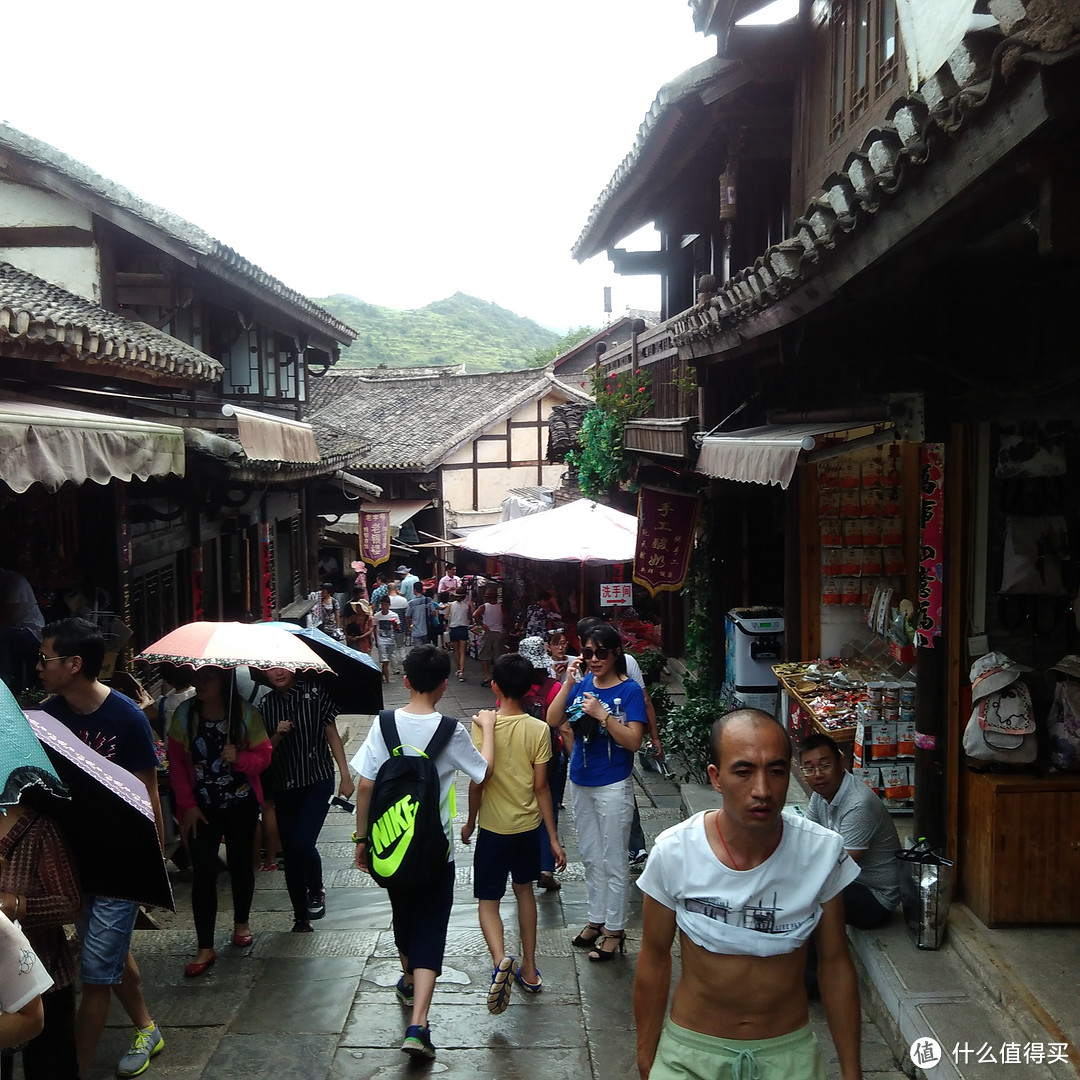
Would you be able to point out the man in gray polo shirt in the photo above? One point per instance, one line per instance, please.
(849, 807)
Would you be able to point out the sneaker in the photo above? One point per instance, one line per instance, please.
(404, 993)
(145, 1044)
(302, 926)
(639, 856)
(316, 907)
(417, 1042)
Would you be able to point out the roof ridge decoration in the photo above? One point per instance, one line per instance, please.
(218, 258)
(36, 312)
(871, 175)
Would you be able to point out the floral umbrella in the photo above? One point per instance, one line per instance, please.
(233, 644)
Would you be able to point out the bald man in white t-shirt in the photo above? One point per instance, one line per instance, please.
(745, 886)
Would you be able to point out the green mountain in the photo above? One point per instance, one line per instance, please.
(460, 329)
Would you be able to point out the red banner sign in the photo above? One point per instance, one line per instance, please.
(931, 543)
(666, 522)
(375, 538)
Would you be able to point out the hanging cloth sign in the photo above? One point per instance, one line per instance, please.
(666, 523)
(375, 537)
(931, 542)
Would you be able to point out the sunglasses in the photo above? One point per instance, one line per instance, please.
(43, 659)
(599, 652)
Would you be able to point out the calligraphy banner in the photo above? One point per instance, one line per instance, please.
(665, 539)
(931, 543)
(375, 537)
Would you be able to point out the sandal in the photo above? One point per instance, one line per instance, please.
(598, 951)
(532, 988)
(583, 942)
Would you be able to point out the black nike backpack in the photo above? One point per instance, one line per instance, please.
(407, 846)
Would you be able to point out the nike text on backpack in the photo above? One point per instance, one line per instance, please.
(407, 848)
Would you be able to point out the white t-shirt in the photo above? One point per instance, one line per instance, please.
(415, 731)
(22, 974)
(767, 911)
(399, 605)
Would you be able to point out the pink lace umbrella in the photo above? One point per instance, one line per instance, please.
(233, 644)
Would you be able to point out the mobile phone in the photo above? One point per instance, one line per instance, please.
(343, 804)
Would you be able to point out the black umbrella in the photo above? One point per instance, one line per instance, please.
(108, 821)
(357, 684)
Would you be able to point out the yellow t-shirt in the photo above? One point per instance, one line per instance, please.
(509, 804)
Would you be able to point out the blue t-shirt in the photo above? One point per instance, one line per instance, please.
(602, 760)
(118, 730)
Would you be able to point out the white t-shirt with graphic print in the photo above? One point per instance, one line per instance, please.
(766, 911)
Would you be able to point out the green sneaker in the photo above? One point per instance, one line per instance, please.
(418, 1043)
(145, 1044)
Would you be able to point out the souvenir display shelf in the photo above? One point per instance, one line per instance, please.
(856, 701)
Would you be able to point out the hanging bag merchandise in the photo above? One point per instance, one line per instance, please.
(926, 884)
(1064, 719)
(1001, 728)
(1035, 548)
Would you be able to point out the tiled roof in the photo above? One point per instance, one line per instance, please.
(563, 427)
(663, 117)
(415, 423)
(211, 255)
(890, 160)
(34, 313)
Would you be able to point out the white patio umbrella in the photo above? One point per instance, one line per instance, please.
(579, 532)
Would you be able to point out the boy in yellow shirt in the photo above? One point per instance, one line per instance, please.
(513, 805)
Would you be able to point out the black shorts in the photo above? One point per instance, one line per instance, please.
(420, 921)
(499, 854)
(459, 633)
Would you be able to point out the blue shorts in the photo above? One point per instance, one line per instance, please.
(459, 633)
(499, 854)
(420, 921)
(105, 928)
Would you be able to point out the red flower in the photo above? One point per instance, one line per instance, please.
(641, 389)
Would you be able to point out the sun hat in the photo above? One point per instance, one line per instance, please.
(360, 605)
(1068, 665)
(402, 569)
(532, 648)
(993, 672)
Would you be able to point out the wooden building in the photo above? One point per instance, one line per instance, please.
(152, 384)
(870, 231)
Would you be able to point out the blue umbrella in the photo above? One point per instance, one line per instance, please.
(358, 686)
(23, 762)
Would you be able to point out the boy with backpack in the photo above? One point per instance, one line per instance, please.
(514, 808)
(401, 776)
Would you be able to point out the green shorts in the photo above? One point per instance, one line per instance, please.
(682, 1054)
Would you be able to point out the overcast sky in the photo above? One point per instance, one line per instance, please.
(399, 152)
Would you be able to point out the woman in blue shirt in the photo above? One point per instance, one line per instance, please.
(606, 715)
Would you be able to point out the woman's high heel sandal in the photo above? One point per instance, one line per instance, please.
(600, 954)
(583, 942)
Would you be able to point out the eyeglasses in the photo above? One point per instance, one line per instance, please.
(599, 652)
(821, 770)
(43, 659)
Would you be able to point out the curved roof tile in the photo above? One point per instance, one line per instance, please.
(35, 312)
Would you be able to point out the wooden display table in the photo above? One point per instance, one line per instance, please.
(1020, 848)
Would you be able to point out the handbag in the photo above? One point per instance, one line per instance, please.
(1001, 728)
(926, 885)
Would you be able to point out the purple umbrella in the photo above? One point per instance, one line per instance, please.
(108, 820)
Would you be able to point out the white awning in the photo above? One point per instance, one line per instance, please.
(765, 455)
(48, 445)
(273, 438)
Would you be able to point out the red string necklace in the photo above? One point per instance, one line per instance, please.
(734, 864)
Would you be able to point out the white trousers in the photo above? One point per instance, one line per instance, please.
(602, 817)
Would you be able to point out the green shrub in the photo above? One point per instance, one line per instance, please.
(651, 662)
(685, 733)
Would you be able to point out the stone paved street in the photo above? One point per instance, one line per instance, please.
(322, 1006)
